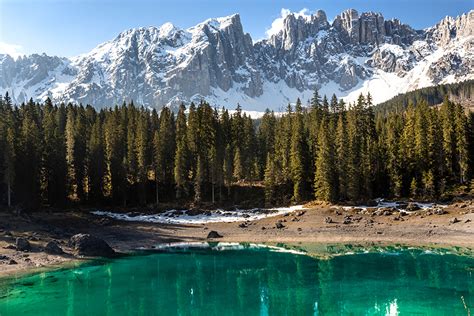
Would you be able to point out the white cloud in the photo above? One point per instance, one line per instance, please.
(11, 49)
(277, 24)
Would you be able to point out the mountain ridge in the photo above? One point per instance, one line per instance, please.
(217, 61)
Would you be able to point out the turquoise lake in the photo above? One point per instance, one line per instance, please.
(256, 281)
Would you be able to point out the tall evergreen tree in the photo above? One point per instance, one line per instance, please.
(182, 155)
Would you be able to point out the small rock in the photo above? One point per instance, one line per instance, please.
(22, 244)
(214, 234)
(2, 257)
(279, 225)
(328, 220)
(467, 221)
(347, 220)
(454, 221)
(300, 213)
(462, 206)
(263, 227)
(300, 229)
(246, 216)
(338, 212)
(243, 225)
(12, 262)
(9, 247)
(53, 248)
(439, 211)
(370, 221)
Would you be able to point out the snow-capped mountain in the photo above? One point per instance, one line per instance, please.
(217, 61)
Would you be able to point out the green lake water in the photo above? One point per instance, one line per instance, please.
(250, 282)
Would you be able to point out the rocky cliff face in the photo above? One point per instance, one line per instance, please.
(216, 60)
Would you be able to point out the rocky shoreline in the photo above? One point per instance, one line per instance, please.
(44, 240)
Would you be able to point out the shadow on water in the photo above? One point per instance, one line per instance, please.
(250, 281)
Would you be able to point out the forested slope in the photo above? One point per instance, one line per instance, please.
(58, 155)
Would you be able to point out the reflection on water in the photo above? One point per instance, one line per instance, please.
(250, 282)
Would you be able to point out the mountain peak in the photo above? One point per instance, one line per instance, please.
(168, 29)
(222, 22)
(216, 60)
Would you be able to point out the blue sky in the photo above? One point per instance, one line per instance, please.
(71, 27)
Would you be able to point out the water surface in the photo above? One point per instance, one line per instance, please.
(250, 282)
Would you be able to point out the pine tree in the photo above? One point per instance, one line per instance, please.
(298, 153)
(70, 156)
(164, 149)
(96, 168)
(270, 181)
(325, 104)
(143, 150)
(182, 155)
(334, 104)
(342, 152)
(237, 166)
(462, 151)
(9, 162)
(449, 137)
(324, 183)
(228, 160)
(316, 100)
(28, 168)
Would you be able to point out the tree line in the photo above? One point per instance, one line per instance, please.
(433, 95)
(57, 155)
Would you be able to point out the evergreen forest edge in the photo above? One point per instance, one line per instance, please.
(63, 155)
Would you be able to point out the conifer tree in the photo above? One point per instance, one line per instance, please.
(334, 104)
(9, 162)
(182, 155)
(143, 152)
(96, 167)
(270, 181)
(324, 177)
(165, 148)
(298, 153)
(342, 152)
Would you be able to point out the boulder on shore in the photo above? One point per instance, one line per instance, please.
(53, 248)
(412, 207)
(214, 234)
(22, 244)
(88, 245)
